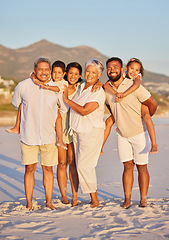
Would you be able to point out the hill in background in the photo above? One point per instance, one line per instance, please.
(18, 63)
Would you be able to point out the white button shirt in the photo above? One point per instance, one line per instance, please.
(38, 112)
(85, 123)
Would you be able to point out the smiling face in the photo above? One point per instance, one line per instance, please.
(91, 75)
(114, 71)
(42, 72)
(57, 74)
(133, 70)
(73, 75)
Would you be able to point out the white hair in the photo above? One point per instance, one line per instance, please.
(96, 63)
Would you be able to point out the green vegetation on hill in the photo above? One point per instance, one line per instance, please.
(18, 63)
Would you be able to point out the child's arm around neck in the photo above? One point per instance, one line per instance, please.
(109, 88)
(134, 87)
(41, 85)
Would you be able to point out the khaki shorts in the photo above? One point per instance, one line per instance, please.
(48, 154)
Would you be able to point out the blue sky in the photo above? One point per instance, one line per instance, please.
(123, 28)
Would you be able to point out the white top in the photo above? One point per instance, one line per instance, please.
(38, 112)
(81, 123)
(60, 84)
(127, 113)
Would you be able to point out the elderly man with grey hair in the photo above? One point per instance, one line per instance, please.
(39, 108)
(86, 122)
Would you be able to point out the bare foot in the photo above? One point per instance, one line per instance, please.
(12, 130)
(50, 205)
(64, 200)
(62, 145)
(94, 200)
(74, 202)
(143, 204)
(153, 149)
(95, 204)
(126, 205)
(30, 207)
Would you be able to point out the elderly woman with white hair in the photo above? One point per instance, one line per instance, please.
(87, 124)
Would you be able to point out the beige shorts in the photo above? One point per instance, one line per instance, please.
(48, 154)
(134, 148)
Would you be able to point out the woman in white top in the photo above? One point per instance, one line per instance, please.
(87, 124)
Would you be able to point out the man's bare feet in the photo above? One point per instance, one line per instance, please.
(126, 205)
(12, 130)
(50, 205)
(153, 149)
(143, 203)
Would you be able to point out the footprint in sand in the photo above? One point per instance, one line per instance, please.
(99, 215)
(119, 220)
(114, 214)
(32, 225)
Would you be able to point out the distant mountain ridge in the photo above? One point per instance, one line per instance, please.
(18, 63)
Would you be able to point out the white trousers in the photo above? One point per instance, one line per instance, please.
(87, 151)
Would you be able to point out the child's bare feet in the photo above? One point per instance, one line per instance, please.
(153, 149)
(64, 200)
(50, 205)
(74, 202)
(30, 207)
(12, 130)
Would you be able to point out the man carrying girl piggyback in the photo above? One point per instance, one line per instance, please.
(135, 71)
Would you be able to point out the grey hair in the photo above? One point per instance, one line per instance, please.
(42, 59)
(96, 63)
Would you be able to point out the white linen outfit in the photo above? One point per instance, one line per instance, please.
(88, 134)
(38, 112)
(133, 142)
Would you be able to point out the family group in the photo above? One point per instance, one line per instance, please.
(62, 117)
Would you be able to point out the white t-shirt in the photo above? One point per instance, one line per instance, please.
(60, 84)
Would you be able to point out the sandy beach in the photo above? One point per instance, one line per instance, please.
(109, 221)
